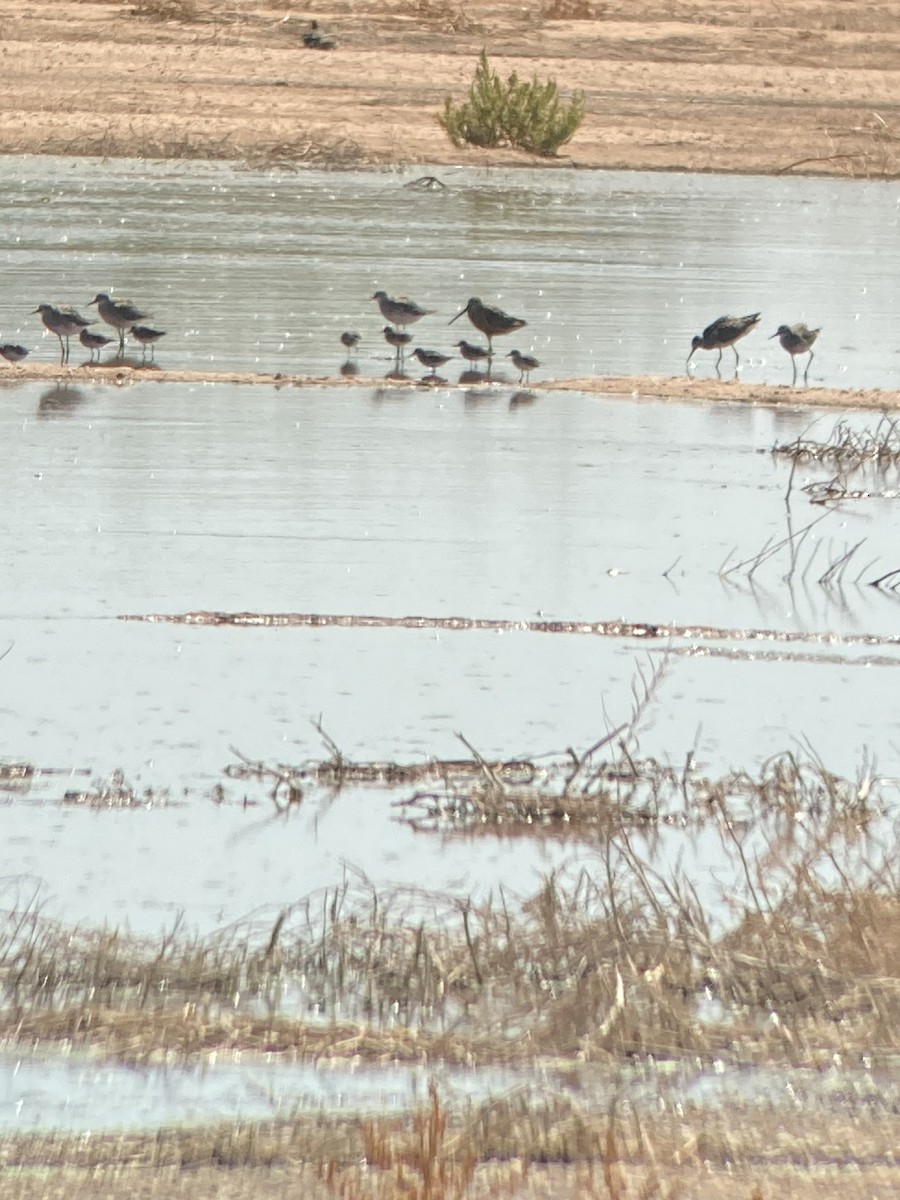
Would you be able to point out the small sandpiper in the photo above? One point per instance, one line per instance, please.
(397, 339)
(797, 339)
(524, 364)
(472, 353)
(63, 320)
(490, 321)
(93, 342)
(13, 353)
(724, 331)
(350, 340)
(121, 314)
(431, 358)
(400, 311)
(147, 337)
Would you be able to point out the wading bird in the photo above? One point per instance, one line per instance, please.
(797, 339)
(490, 321)
(724, 331)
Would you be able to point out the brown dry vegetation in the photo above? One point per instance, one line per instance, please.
(677, 84)
(611, 966)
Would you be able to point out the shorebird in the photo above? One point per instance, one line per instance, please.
(490, 321)
(121, 314)
(472, 353)
(314, 39)
(350, 340)
(431, 358)
(63, 320)
(797, 339)
(93, 342)
(146, 336)
(12, 353)
(724, 331)
(400, 311)
(524, 364)
(397, 339)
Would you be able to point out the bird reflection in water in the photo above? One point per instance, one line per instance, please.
(61, 400)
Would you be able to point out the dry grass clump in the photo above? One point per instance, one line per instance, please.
(573, 10)
(443, 16)
(847, 448)
(616, 961)
(308, 147)
(185, 11)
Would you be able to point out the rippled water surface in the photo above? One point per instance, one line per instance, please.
(495, 503)
(613, 271)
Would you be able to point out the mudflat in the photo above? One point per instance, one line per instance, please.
(669, 84)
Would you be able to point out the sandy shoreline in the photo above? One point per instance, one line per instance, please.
(656, 387)
(669, 84)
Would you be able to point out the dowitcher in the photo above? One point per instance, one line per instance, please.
(13, 353)
(63, 320)
(121, 314)
(472, 353)
(350, 340)
(524, 364)
(147, 337)
(724, 331)
(397, 339)
(93, 342)
(797, 339)
(431, 358)
(490, 321)
(400, 311)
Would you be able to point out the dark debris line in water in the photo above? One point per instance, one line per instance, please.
(633, 629)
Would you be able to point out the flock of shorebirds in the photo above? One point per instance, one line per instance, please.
(488, 320)
(123, 316)
(67, 322)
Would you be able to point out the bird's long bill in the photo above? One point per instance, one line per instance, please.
(458, 315)
(775, 334)
(693, 348)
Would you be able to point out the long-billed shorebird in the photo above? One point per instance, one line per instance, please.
(121, 314)
(13, 353)
(63, 320)
(490, 321)
(524, 364)
(93, 342)
(147, 337)
(431, 358)
(400, 311)
(797, 339)
(724, 331)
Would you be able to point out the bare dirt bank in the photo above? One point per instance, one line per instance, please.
(670, 84)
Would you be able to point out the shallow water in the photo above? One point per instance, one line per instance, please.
(75, 1094)
(481, 503)
(614, 272)
(167, 499)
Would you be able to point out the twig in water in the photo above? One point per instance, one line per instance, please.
(877, 583)
(835, 572)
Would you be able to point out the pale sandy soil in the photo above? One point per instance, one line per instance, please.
(768, 86)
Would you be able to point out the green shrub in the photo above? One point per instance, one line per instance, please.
(517, 113)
